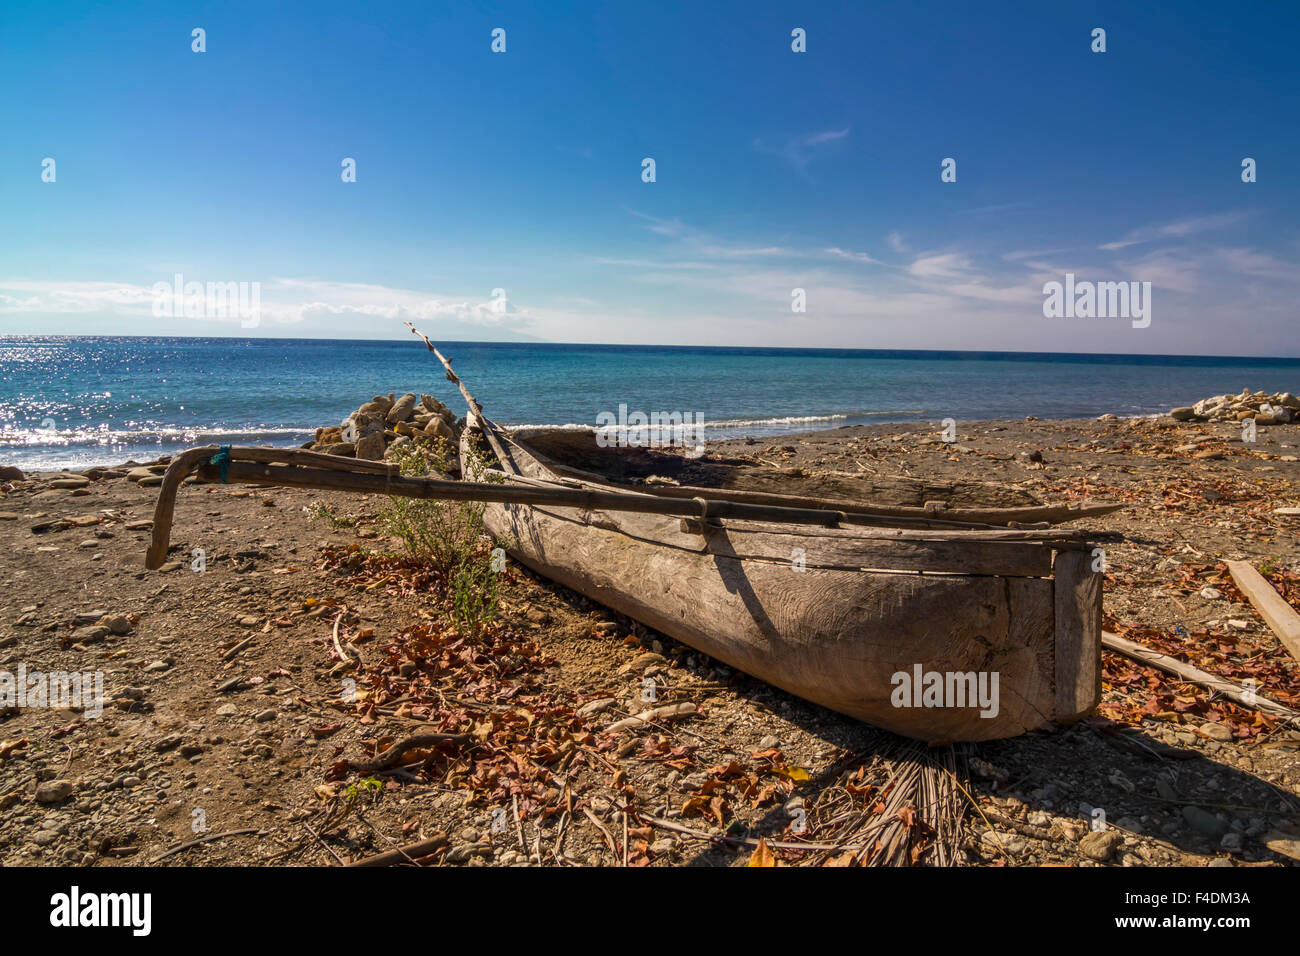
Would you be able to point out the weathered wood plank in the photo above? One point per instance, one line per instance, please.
(1078, 635)
(1280, 616)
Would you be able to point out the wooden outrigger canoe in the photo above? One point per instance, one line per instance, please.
(834, 615)
(914, 618)
(849, 617)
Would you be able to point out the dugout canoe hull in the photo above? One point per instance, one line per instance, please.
(856, 619)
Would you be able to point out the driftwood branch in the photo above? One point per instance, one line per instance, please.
(394, 753)
(203, 839)
(649, 716)
(403, 854)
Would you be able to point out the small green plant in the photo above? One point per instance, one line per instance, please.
(320, 511)
(355, 790)
(448, 536)
(474, 592)
(1267, 567)
(442, 534)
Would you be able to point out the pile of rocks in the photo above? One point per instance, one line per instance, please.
(1266, 409)
(387, 422)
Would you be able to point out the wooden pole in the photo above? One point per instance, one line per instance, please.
(1193, 675)
(475, 409)
(273, 467)
(1022, 514)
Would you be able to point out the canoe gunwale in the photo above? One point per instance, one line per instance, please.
(932, 514)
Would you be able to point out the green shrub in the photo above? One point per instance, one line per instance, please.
(447, 536)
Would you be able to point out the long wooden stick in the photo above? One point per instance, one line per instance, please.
(1279, 615)
(267, 473)
(474, 417)
(1187, 672)
(1026, 514)
(475, 409)
(203, 839)
(403, 854)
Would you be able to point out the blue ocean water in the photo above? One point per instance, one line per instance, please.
(75, 402)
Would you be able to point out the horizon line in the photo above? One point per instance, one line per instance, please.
(659, 345)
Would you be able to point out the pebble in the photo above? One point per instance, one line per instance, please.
(1211, 594)
(52, 791)
(1216, 731)
(266, 715)
(89, 635)
(1232, 842)
(1100, 845)
(116, 623)
(1204, 822)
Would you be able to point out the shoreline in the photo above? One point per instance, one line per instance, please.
(306, 433)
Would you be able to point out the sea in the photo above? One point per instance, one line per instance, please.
(77, 402)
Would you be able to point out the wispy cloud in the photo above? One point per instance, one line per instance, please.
(799, 151)
(660, 226)
(1017, 255)
(837, 253)
(947, 265)
(1260, 264)
(1174, 230)
(285, 301)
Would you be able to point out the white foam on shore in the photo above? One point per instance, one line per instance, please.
(723, 423)
(42, 437)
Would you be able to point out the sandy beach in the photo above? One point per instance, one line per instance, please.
(231, 704)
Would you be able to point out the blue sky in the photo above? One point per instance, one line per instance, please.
(775, 170)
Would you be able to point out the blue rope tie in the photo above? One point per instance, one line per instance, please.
(222, 460)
